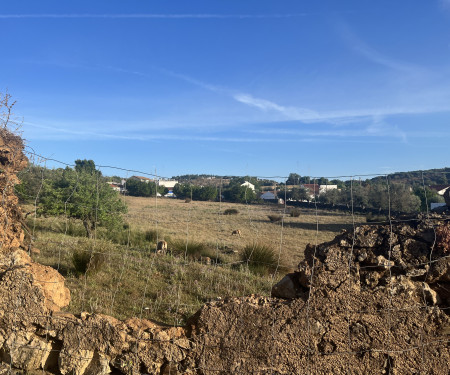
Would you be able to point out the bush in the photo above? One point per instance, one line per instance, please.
(151, 235)
(85, 260)
(371, 218)
(295, 212)
(230, 211)
(133, 238)
(193, 249)
(74, 229)
(275, 218)
(187, 200)
(260, 259)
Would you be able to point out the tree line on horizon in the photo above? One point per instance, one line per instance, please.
(82, 192)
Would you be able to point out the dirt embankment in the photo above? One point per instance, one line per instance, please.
(371, 301)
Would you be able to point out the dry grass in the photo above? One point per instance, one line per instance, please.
(203, 222)
(134, 281)
(130, 283)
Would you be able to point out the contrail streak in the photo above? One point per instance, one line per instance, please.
(152, 16)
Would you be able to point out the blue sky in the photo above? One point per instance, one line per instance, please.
(321, 88)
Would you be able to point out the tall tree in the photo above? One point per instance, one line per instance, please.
(83, 194)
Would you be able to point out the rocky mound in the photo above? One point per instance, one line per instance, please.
(372, 301)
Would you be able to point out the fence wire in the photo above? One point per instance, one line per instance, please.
(130, 274)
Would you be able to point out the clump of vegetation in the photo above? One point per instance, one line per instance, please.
(295, 212)
(190, 249)
(87, 260)
(275, 218)
(135, 239)
(260, 258)
(231, 211)
(187, 200)
(82, 193)
(371, 218)
(151, 235)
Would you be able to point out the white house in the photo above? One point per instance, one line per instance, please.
(325, 188)
(142, 179)
(249, 185)
(440, 189)
(169, 184)
(115, 186)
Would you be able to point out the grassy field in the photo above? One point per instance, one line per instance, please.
(204, 222)
(127, 278)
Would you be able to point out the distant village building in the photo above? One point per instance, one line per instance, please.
(440, 189)
(268, 195)
(433, 206)
(119, 187)
(271, 196)
(169, 184)
(115, 186)
(316, 189)
(313, 189)
(142, 179)
(248, 185)
(325, 188)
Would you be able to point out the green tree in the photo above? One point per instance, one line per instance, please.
(31, 182)
(293, 179)
(427, 196)
(333, 197)
(182, 191)
(403, 199)
(82, 193)
(137, 188)
(198, 193)
(240, 194)
(205, 193)
(296, 194)
(84, 165)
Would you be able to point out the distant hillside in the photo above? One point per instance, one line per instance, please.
(430, 177)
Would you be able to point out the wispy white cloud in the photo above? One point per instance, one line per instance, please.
(151, 16)
(423, 102)
(375, 56)
(380, 128)
(266, 105)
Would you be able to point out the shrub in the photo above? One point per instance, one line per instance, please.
(133, 238)
(371, 218)
(151, 235)
(260, 259)
(275, 218)
(295, 212)
(193, 249)
(85, 260)
(230, 211)
(187, 200)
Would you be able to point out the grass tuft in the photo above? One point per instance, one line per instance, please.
(193, 249)
(261, 259)
(231, 211)
(87, 261)
(275, 218)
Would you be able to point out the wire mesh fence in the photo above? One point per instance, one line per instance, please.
(117, 268)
